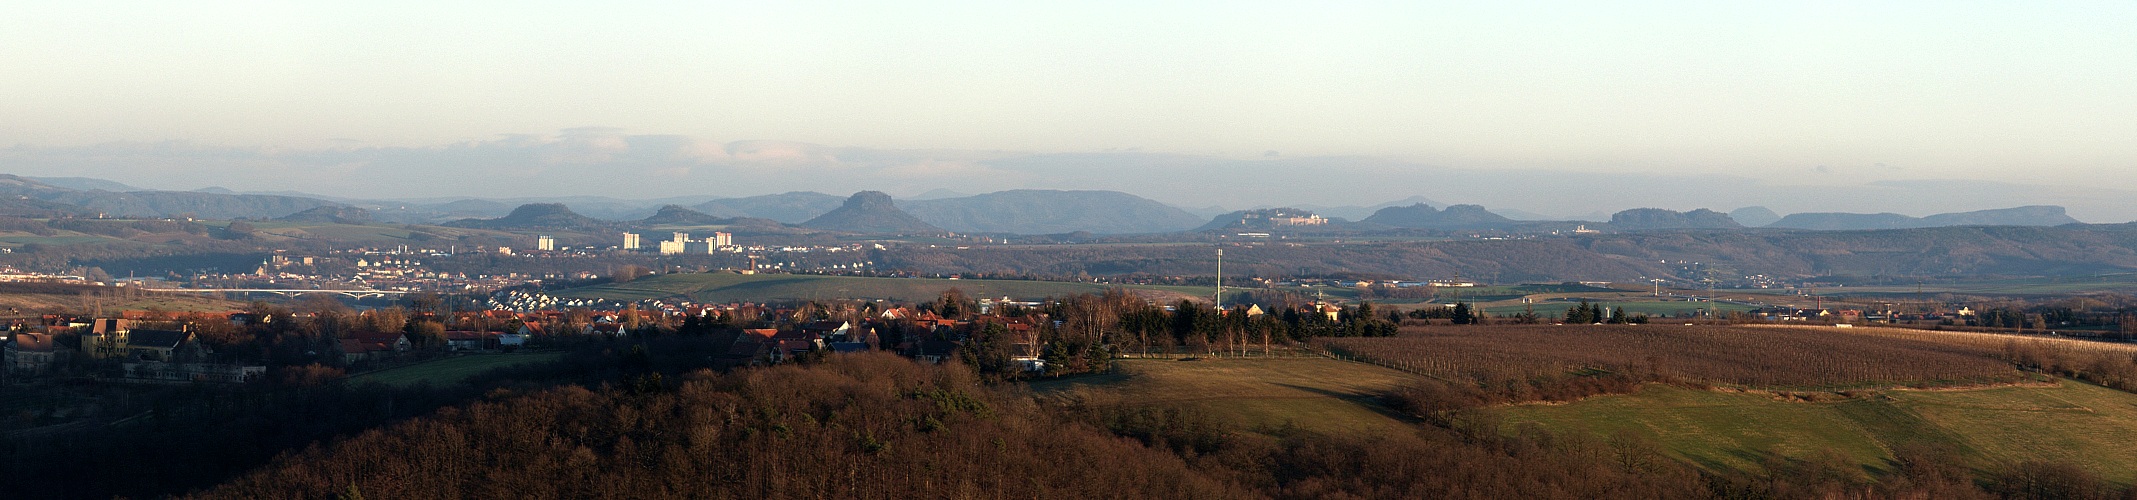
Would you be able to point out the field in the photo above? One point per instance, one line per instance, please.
(1312, 393)
(2035, 286)
(730, 287)
(2070, 421)
(1765, 358)
(24, 299)
(1652, 308)
(448, 371)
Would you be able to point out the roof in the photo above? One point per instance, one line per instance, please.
(159, 339)
(33, 342)
(359, 346)
(745, 348)
(466, 335)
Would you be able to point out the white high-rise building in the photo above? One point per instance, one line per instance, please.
(722, 240)
(545, 243)
(630, 241)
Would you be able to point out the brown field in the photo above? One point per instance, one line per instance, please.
(1746, 357)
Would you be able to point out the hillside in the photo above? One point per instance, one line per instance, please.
(330, 214)
(1498, 260)
(1455, 217)
(197, 204)
(535, 216)
(681, 216)
(2039, 215)
(1993, 427)
(1038, 211)
(1950, 251)
(870, 212)
(1754, 216)
(1656, 218)
(788, 208)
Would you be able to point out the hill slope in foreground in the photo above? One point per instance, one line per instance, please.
(731, 287)
(2067, 421)
(1720, 398)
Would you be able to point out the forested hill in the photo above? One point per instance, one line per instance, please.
(1039, 211)
(2040, 215)
(54, 198)
(1949, 251)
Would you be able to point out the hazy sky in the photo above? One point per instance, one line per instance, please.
(1783, 93)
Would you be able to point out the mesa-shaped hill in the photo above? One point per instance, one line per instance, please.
(535, 216)
(2036, 215)
(1043, 211)
(1455, 217)
(870, 212)
(1657, 218)
(1754, 216)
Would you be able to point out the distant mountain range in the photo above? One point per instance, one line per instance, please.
(2039, 215)
(1034, 211)
(1025, 211)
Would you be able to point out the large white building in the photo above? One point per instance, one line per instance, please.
(682, 244)
(630, 241)
(545, 243)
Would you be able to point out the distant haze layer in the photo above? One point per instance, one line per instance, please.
(604, 162)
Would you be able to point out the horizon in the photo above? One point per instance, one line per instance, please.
(1895, 107)
(1511, 212)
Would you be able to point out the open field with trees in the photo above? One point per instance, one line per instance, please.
(732, 287)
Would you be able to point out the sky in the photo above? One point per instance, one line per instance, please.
(1798, 106)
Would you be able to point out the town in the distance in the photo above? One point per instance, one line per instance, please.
(136, 309)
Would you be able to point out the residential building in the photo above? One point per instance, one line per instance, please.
(28, 353)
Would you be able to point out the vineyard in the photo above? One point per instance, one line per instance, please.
(1498, 357)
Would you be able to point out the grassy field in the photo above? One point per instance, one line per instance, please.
(2071, 421)
(447, 371)
(1312, 393)
(2036, 286)
(1556, 309)
(1715, 429)
(729, 287)
(26, 303)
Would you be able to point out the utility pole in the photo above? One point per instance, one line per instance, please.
(1220, 279)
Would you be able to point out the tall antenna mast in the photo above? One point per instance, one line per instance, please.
(1220, 279)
